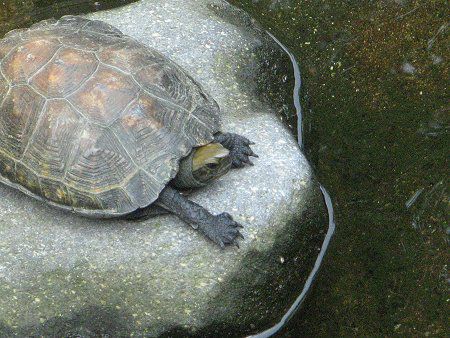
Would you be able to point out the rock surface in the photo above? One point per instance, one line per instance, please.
(62, 274)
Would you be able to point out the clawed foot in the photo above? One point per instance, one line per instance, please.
(222, 230)
(239, 147)
(241, 152)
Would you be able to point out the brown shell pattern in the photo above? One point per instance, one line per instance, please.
(92, 120)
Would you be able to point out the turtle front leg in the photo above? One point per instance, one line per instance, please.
(221, 229)
(239, 147)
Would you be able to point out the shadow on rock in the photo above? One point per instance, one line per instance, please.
(92, 321)
(264, 277)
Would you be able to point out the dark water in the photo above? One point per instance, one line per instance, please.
(22, 13)
(376, 122)
(375, 127)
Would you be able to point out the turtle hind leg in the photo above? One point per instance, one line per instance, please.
(239, 147)
(143, 214)
(221, 229)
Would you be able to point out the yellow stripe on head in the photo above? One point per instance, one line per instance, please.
(208, 154)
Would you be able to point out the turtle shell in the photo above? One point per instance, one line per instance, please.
(92, 120)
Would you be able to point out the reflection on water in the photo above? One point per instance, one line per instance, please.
(376, 122)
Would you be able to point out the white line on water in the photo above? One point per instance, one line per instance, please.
(312, 276)
(297, 85)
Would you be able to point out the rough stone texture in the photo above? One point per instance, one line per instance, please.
(61, 273)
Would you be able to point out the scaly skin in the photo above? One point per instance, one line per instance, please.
(221, 229)
(239, 147)
(143, 214)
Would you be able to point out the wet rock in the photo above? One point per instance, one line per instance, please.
(62, 274)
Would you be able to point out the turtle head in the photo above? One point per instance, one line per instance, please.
(203, 165)
(210, 161)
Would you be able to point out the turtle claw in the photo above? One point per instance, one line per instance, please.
(241, 152)
(239, 147)
(251, 153)
(222, 230)
(227, 215)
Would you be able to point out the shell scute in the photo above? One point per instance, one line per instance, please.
(137, 132)
(47, 30)
(73, 22)
(90, 41)
(27, 178)
(105, 95)
(129, 56)
(44, 24)
(167, 82)
(161, 165)
(19, 114)
(196, 130)
(4, 87)
(168, 116)
(141, 187)
(202, 114)
(68, 70)
(101, 162)
(7, 167)
(153, 146)
(28, 58)
(55, 191)
(6, 45)
(54, 139)
(115, 199)
(102, 28)
(83, 200)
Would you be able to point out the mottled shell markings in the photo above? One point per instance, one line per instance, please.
(92, 120)
(22, 62)
(67, 71)
(105, 95)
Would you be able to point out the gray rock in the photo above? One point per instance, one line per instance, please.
(61, 273)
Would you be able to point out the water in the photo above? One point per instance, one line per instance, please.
(375, 122)
(18, 14)
(375, 126)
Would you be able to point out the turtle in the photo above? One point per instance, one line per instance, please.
(94, 122)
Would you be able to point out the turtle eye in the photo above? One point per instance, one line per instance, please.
(212, 165)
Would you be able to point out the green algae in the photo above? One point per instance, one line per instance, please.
(376, 129)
